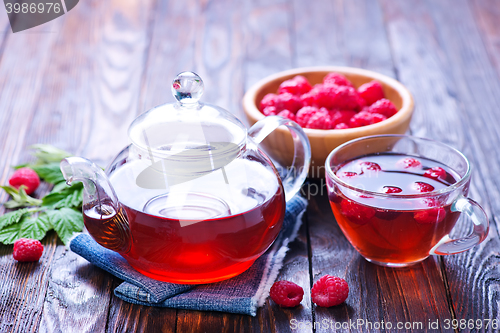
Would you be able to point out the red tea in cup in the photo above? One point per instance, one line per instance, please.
(391, 230)
(398, 205)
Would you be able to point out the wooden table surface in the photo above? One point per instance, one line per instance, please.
(78, 81)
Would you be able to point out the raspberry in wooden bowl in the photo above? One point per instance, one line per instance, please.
(332, 108)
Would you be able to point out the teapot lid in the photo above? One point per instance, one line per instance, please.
(189, 130)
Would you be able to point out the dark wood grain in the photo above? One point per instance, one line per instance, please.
(21, 73)
(486, 14)
(480, 98)
(171, 49)
(267, 38)
(126, 317)
(77, 297)
(341, 33)
(410, 296)
(78, 81)
(95, 95)
(443, 42)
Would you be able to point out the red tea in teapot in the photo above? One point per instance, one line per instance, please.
(190, 237)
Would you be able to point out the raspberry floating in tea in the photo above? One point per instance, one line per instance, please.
(400, 229)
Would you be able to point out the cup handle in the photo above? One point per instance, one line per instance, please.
(481, 228)
(302, 150)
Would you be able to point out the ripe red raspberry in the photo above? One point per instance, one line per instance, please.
(287, 114)
(347, 174)
(384, 107)
(296, 86)
(320, 120)
(427, 216)
(26, 249)
(409, 162)
(342, 116)
(308, 99)
(422, 187)
(303, 115)
(269, 111)
(346, 98)
(334, 97)
(336, 79)
(341, 126)
(286, 294)
(371, 92)
(435, 173)
(329, 291)
(364, 118)
(27, 177)
(289, 102)
(270, 100)
(370, 166)
(356, 213)
(391, 189)
(362, 103)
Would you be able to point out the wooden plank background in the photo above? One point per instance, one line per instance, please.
(78, 81)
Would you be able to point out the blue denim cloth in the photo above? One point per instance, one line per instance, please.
(241, 294)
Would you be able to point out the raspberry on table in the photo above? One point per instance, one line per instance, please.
(287, 114)
(409, 162)
(299, 85)
(286, 294)
(365, 118)
(371, 92)
(303, 115)
(27, 177)
(290, 102)
(357, 213)
(384, 107)
(270, 100)
(329, 291)
(336, 79)
(435, 173)
(422, 187)
(26, 249)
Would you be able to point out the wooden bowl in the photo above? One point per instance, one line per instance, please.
(279, 144)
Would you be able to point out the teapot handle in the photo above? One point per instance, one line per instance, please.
(297, 173)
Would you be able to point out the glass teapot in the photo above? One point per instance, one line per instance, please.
(192, 199)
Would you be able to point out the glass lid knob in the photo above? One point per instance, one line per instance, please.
(187, 88)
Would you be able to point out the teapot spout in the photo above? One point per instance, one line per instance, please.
(104, 217)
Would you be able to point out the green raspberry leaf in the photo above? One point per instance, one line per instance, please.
(19, 198)
(68, 197)
(48, 154)
(59, 187)
(65, 222)
(13, 192)
(51, 172)
(12, 217)
(10, 234)
(35, 228)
